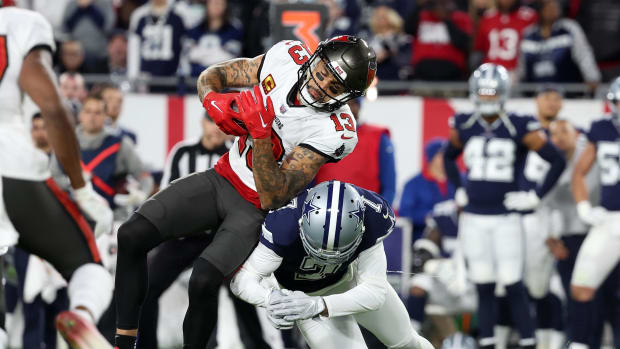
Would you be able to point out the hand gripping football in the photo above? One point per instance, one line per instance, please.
(223, 109)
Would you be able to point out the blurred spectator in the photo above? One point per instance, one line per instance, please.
(391, 45)
(600, 21)
(426, 189)
(89, 22)
(72, 88)
(556, 50)
(371, 165)
(39, 134)
(117, 54)
(441, 40)
(108, 158)
(156, 32)
(72, 57)
(53, 11)
(499, 33)
(343, 17)
(254, 15)
(216, 39)
(113, 98)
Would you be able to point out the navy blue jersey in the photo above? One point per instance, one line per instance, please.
(605, 134)
(534, 172)
(563, 56)
(160, 40)
(298, 270)
(209, 47)
(495, 157)
(445, 219)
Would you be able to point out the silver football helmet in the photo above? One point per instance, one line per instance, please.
(613, 95)
(489, 80)
(332, 222)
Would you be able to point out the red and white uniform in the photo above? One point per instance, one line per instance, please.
(20, 32)
(331, 134)
(499, 35)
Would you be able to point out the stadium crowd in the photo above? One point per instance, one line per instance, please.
(541, 41)
(434, 40)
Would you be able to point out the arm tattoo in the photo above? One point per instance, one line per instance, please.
(277, 186)
(238, 72)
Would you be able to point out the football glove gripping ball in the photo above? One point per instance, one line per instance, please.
(256, 117)
(219, 106)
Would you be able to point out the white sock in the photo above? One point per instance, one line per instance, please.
(543, 338)
(501, 337)
(574, 345)
(556, 339)
(91, 288)
(85, 314)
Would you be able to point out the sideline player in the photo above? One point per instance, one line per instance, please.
(600, 252)
(495, 144)
(539, 263)
(305, 98)
(34, 213)
(326, 251)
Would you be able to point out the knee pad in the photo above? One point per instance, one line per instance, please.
(91, 287)
(137, 235)
(206, 279)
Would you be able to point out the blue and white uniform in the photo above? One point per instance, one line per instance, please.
(354, 292)
(444, 278)
(600, 251)
(491, 234)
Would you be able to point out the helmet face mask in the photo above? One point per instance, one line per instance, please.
(332, 224)
(328, 102)
(350, 62)
(489, 87)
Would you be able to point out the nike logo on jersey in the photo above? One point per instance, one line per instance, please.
(345, 137)
(216, 107)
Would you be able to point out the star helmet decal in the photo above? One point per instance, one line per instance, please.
(309, 208)
(357, 212)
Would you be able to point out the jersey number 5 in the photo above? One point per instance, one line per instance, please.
(4, 56)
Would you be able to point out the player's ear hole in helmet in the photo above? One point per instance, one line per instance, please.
(351, 62)
(332, 222)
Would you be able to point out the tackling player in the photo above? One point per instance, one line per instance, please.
(35, 214)
(325, 249)
(495, 145)
(600, 251)
(305, 124)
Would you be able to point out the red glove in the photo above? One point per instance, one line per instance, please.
(255, 116)
(219, 108)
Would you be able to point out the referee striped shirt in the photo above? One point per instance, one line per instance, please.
(190, 156)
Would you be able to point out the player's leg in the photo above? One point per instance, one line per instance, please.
(597, 257)
(52, 228)
(233, 242)
(421, 286)
(538, 269)
(334, 333)
(390, 324)
(165, 264)
(508, 243)
(477, 245)
(188, 206)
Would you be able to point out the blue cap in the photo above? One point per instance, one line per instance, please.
(433, 146)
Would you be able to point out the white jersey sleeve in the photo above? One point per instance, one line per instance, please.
(371, 289)
(31, 30)
(337, 138)
(249, 283)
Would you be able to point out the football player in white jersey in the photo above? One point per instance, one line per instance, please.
(295, 120)
(34, 213)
